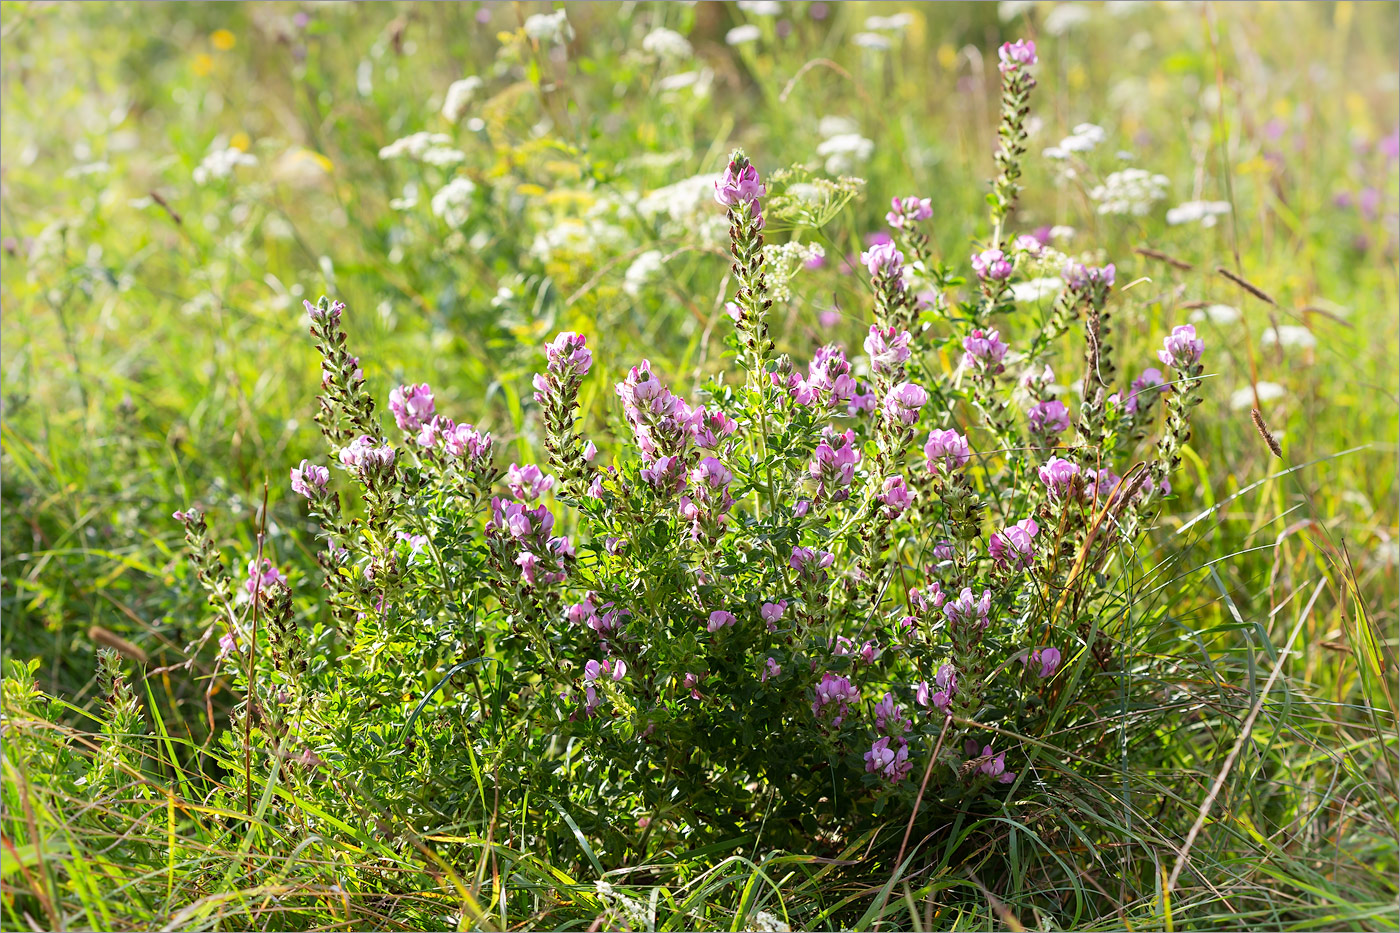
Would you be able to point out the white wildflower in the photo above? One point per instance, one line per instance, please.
(698, 81)
(667, 43)
(1290, 335)
(549, 27)
(1217, 314)
(765, 922)
(1193, 211)
(643, 269)
(1007, 10)
(576, 237)
(1064, 17)
(872, 40)
(1267, 392)
(459, 94)
(443, 155)
(91, 168)
(896, 23)
(409, 199)
(453, 201)
(830, 126)
(414, 145)
(680, 201)
(1036, 290)
(741, 34)
(220, 163)
(1061, 232)
(761, 7)
(844, 152)
(1131, 191)
(782, 260)
(1084, 138)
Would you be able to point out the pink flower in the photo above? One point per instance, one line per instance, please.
(904, 401)
(528, 483)
(1060, 477)
(896, 495)
(833, 469)
(834, 690)
(666, 474)
(364, 457)
(1016, 55)
(883, 259)
(828, 379)
(310, 480)
(1047, 658)
(1100, 484)
(733, 310)
(692, 682)
(568, 354)
(463, 441)
(770, 669)
(739, 186)
(1181, 350)
(946, 447)
(928, 597)
(921, 693)
(718, 620)
(709, 425)
(947, 683)
(1049, 418)
(228, 644)
(1013, 548)
(711, 473)
(412, 405)
(908, 211)
(262, 576)
(992, 265)
(891, 763)
(890, 718)
(861, 401)
(529, 565)
(887, 348)
(968, 611)
(317, 316)
(943, 550)
(772, 612)
(1030, 245)
(805, 559)
(1082, 277)
(984, 349)
(1142, 389)
(582, 612)
(995, 766)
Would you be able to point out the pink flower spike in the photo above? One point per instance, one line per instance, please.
(1016, 55)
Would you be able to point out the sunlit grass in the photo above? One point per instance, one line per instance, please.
(154, 355)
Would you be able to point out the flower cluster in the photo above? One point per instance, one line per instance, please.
(773, 577)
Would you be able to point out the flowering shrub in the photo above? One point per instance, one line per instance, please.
(794, 597)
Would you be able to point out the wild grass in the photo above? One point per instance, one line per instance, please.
(153, 356)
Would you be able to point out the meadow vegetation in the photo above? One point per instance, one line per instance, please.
(763, 465)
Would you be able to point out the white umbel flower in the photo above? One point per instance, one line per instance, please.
(667, 43)
(1132, 191)
(452, 202)
(459, 94)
